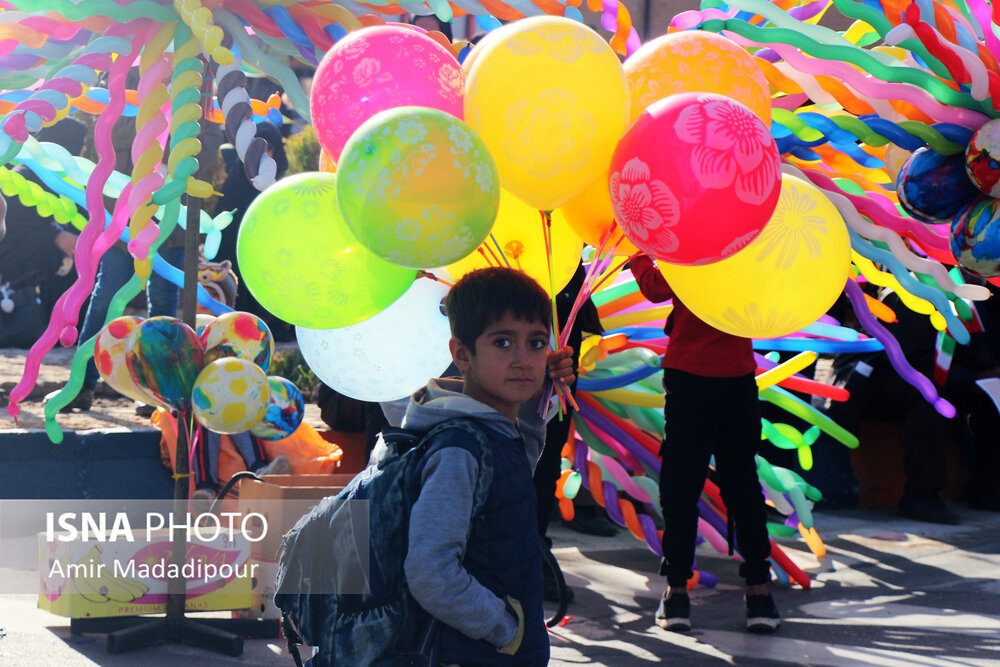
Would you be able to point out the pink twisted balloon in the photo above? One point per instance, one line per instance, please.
(65, 314)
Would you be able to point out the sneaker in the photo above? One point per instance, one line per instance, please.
(279, 465)
(762, 614)
(929, 508)
(674, 613)
(82, 402)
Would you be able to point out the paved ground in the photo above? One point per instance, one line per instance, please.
(889, 592)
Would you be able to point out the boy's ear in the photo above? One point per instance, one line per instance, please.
(460, 354)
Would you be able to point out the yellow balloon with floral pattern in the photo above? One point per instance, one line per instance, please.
(549, 99)
(784, 280)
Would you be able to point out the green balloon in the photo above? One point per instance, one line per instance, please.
(418, 187)
(301, 262)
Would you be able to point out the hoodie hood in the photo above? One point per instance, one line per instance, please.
(442, 399)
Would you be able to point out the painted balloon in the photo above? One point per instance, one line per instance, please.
(230, 395)
(982, 159)
(933, 187)
(285, 410)
(164, 357)
(695, 178)
(109, 357)
(975, 237)
(238, 334)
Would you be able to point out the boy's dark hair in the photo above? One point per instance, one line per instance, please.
(483, 296)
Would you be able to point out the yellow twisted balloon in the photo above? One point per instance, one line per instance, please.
(60, 208)
(186, 114)
(885, 279)
(199, 19)
(150, 155)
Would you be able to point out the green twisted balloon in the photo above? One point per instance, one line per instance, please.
(849, 53)
(122, 13)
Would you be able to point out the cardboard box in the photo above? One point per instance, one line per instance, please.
(265, 584)
(101, 577)
(282, 500)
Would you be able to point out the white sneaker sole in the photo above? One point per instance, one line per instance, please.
(763, 625)
(674, 624)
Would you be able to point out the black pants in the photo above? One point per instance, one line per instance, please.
(706, 416)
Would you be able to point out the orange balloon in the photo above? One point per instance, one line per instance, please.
(326, 162)
(590, 215)
(696, 62)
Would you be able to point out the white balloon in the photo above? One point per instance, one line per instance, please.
(388, 356)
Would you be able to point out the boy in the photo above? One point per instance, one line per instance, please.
(710, 407)
(487, 590)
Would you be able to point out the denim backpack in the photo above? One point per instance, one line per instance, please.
(384, 625)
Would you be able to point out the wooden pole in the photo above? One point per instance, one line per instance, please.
(177, 588)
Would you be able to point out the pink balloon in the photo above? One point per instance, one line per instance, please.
(695, 178)
(381, 68)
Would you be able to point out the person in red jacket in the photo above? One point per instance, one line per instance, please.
(710, 407)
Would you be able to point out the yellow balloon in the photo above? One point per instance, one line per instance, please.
(694, 61)
(549, 99)
(488, 38)
(590, 215)
(519, 233)
(784, 280)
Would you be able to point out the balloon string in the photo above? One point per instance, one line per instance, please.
(431, 276)
(482, 251)
(194, 440)
(547, 235)
(583, 294)
(502, 256)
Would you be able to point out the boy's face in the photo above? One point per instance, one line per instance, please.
(508, 365)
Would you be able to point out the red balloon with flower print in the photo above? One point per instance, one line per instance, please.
(695, 178)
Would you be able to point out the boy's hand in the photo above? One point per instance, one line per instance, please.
(559, 365)
(514, 608)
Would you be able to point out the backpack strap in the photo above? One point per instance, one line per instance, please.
(292, 638)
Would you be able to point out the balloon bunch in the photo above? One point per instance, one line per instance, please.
(56, 55)
(218, 377)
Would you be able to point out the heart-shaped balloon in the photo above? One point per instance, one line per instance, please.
(164, 357)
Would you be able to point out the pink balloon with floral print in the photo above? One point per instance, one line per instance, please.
(380, 68)
(695, 178)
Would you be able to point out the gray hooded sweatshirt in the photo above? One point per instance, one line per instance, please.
(440, 518)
